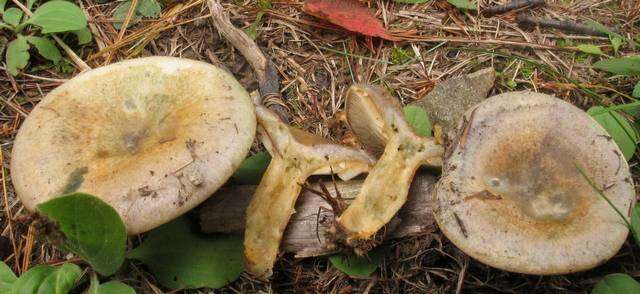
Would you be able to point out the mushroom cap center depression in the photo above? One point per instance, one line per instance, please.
(536, 174)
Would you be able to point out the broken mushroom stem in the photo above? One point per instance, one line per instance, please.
(296, 155)
(385, 188)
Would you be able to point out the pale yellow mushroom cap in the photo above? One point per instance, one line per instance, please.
(512, 195)
(153, 137)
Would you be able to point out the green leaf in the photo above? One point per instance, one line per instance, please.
(615, 43)
(93, 230)
(251, 170)
(30, 4)
(7, 278)
(512, 84)
(359, 266)
(463, 4)
(590, 49)
(411, 1)
(121, 13)
(180, 258)
(17, 55)
(113, 287)
(617, 284)
(2, 4)
(635, 223)
(605, 30)
(84, 35)
(61, 280)
(623, 66)
(48, 279)
(418, 119)
(46, 48)
(12, 16)
(58, 16)
(618, 128)
(636, 90)
(149, 8)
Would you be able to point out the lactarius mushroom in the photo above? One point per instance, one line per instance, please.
(152, 137)
(387, 184)
(296, 155)
(515, 191)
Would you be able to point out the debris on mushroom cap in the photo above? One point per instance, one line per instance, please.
(153, 137)
(296, 155)
(512, 194)
(385, 188)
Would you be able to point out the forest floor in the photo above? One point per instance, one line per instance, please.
(316, 63)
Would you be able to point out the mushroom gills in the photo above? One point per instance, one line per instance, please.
(296, 155)
(386, 186)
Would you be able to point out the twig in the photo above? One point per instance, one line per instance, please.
(513, 5)
(72, 55)
(265, 71)
(7, 212)
(563, 25)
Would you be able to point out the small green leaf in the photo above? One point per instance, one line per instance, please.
(618, 128)
(12, 16)
(635, 223)
(2, 4)
(61, 280)
(463, 4)
(30, 3)
(48, 279)
(252, 30)
(605, 30)
(17, 55)
(512, 84)
(590, 49)
(615, 43)
(149, 8)
(623, 66)
(636, 90)
(46, 48)
(58, 16)
(251, 170)
(113, 287)
(182, 259)
(84, 35)
(121, 13)
(7, 278)
(617, 284)
(359, 266)
(93, 230)
(418, 119)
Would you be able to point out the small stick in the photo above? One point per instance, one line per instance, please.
(266, 73)
(563, 25)
(513, 5)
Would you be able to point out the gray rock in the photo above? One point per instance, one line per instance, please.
(449, 100)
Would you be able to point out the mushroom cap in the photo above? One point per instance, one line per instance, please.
(153, 137)
(512, 194)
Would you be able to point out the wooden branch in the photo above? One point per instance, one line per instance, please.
(306, 234)
(525, 20)
(265, 71)
(513, 5)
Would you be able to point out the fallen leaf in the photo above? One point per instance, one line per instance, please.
(348, 14)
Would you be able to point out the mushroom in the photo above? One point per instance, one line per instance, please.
(447, 102)
(386, 186)
(515, 192)
(296, 155)
(153, 137)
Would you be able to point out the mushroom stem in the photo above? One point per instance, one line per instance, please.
(385, 188)
(296, 155)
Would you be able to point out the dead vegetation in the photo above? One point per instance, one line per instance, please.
(316, 63)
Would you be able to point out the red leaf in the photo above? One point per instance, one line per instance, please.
(349, 14)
